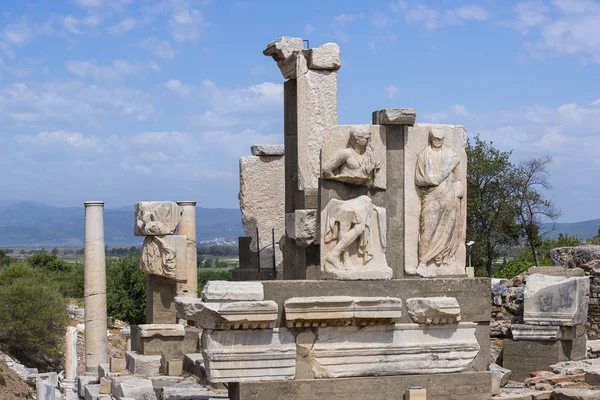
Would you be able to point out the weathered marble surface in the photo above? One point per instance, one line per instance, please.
(353, 240)
(557, 301)
(395, 116)
(228, 315)
(336, 352)
(434, 310)
(326, 56)
(301, 225)
(535, 332)
(355, 154)
(341, 310)
(165, 330)
(262, 203)
(267, 150)
(165, 256)
(249, 356)
(220, 291)
(156, 218)
(452, 262)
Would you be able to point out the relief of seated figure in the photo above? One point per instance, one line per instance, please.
(354, 164)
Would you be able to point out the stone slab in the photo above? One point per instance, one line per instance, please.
(221, 291)
(434, 310)
(133, 387)
(92, 392)
(575, 394)
(164, 330)
(83, 381)
(459, 386)
(395, 116)
(535, 332)
(228, 315)
(143, 365)
(267, 150)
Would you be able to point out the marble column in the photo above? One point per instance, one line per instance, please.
(71, 353)
(187, 227)
(96, 346)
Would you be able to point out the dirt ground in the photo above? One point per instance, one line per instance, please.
(11, 386)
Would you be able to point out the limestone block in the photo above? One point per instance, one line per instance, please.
(558, 301)
(502, 374)
(536, 332)
(105, 385)
(395, 116)
(326, 56)
(83, 381)
(223, 291)
(399, 349)
(283, 47)
(92, 392)
(341, 310)
(156, 218)
(249, 356)
(174, 367)
(353, 240)
(142, 365)
(190, 392)
(267, 150)
(575, 394)
(355, 154)
(262, 202)
(165, 256)
(434, 310)
(228, 315)
(133, 387)
(117, 364)
(576, 257)
(165, 330)
(415, 394)
(103, 370)
(435, 234)
(301, 225)
(592, 376)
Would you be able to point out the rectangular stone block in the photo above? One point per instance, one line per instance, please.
(222, 291)
(174, 367)
(458, 386)
(133, 387)
(153, 218)
(227, 315)
(395, 116)
(415, 394)
(160, 300)
(143, 365)
(535, 332)
(326, 56)
(83, 381)
(248, 356)
(164, 330)
(301, 225)
(117, 364)
(558, 301)
(267, 150)
(105, 385)
(92, 392)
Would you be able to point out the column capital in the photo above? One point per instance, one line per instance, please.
(93, 203)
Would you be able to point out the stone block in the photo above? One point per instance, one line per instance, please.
(133, 387)
(395, 116)
(339, 352)
(228, 315)
(83, 381)
(222, 291)
(536, 332)
(103, 370)
(557, 301)
(283, 47)
(576, 257)
(164, 330)
(326, 56)
(301, 225)
(434, 310)
(592, 376)
(247, 356)
(160, 300)
(105, 385)
(165, 256)
(575, 394)
(92, 392)
(341, 310)
(143, 365)
(187, 390)
(156, 218)
(169, 347)
(267, 150)
(457, 386)
(415, 394)
(174, 367)
(117, 364)
(502, 374)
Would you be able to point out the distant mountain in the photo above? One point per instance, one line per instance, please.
(583, 229)
(33, 223)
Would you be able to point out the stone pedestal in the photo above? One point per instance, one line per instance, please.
(187, 228)
(160, 300)
(96, 347)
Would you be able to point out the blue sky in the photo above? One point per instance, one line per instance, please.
(129, 100)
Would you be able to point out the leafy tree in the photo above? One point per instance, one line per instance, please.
(54, 251)
(205, 276)
(531, 178)
(208, 263)
(49, 262)
(126, 289)
(4, 259)
(33, 315)
(595, 239)
(491, 211)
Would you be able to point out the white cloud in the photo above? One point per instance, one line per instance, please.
(346, 18)
(391, 92)
(434, 18)
(117, 70)
(178, 87)
(89, 3)
(75, 140)
(123, 27)
(309, 29)
(565, 28)
(159, 48)
(17, 34)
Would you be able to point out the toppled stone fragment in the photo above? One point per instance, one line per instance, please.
(267, 150)
(228, 315)
(154, 218)
(222, 291)
(393, 116)
(434, 310)
(502, 374)
(283, 47)
(557, 301)
(326, 56)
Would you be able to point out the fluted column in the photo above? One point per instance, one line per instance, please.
(96, 347)
(187, 227)
(71, 353)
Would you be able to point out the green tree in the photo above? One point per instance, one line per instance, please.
(491, 211)
(126, 289)
(49, 262)
(533, 208)
(4, 259)
(33, 315)
(55, 251)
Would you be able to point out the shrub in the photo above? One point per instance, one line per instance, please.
(126, 289)
(49, 262)
(513, 268)
(34, 316)
(208, 275)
